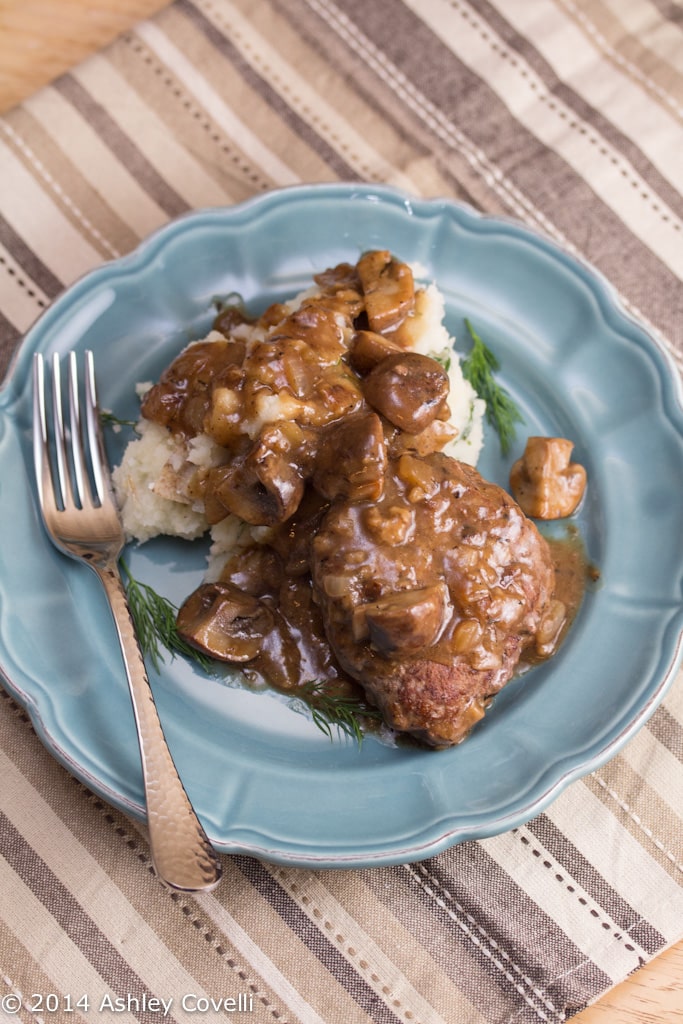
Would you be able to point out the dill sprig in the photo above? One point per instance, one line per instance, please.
(443, 358)
(478, 368)
(335, 711)
(154, 618)
(110, 419)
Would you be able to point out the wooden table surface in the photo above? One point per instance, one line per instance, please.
(39, 39)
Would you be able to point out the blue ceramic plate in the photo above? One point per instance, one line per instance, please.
(264, 779)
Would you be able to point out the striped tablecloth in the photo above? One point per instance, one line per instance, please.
(566, 114)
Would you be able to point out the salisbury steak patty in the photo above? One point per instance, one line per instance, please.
(431, 593)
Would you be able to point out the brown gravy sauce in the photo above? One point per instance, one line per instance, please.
(295, 657)
(573, 573)
(365, 423)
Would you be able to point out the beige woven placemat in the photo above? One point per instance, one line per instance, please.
(567, 114)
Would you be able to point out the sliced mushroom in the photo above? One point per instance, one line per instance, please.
(389, 289)
(342, 289)
(344, 276)
(254, 570)
(282, 458)
(544, 482)
(352, 459)
(404, 621)
(264, 487)
(409, 389)
(368, 348)
(237, 489)
(433, 438)
(224, 622)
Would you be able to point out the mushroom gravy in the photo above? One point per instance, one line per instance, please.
(268, 590)
(374, 564)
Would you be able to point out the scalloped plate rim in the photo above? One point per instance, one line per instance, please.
(611, 305)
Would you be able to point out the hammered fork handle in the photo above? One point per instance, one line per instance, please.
(82, 520)
(181, 853)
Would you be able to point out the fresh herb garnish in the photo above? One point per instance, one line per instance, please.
(467, 429)
(109, 419)
(154, 618)
(443, 358)
(335, 711)
(478, 367)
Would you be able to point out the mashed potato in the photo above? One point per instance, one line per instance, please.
(153, 481)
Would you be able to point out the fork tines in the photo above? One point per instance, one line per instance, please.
(63, 481)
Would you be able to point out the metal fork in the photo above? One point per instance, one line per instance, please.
(81, 517)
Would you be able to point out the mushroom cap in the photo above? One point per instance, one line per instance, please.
(388, 289)
(224, 622)
(408, 389)
(405, 620)
(544, 482)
